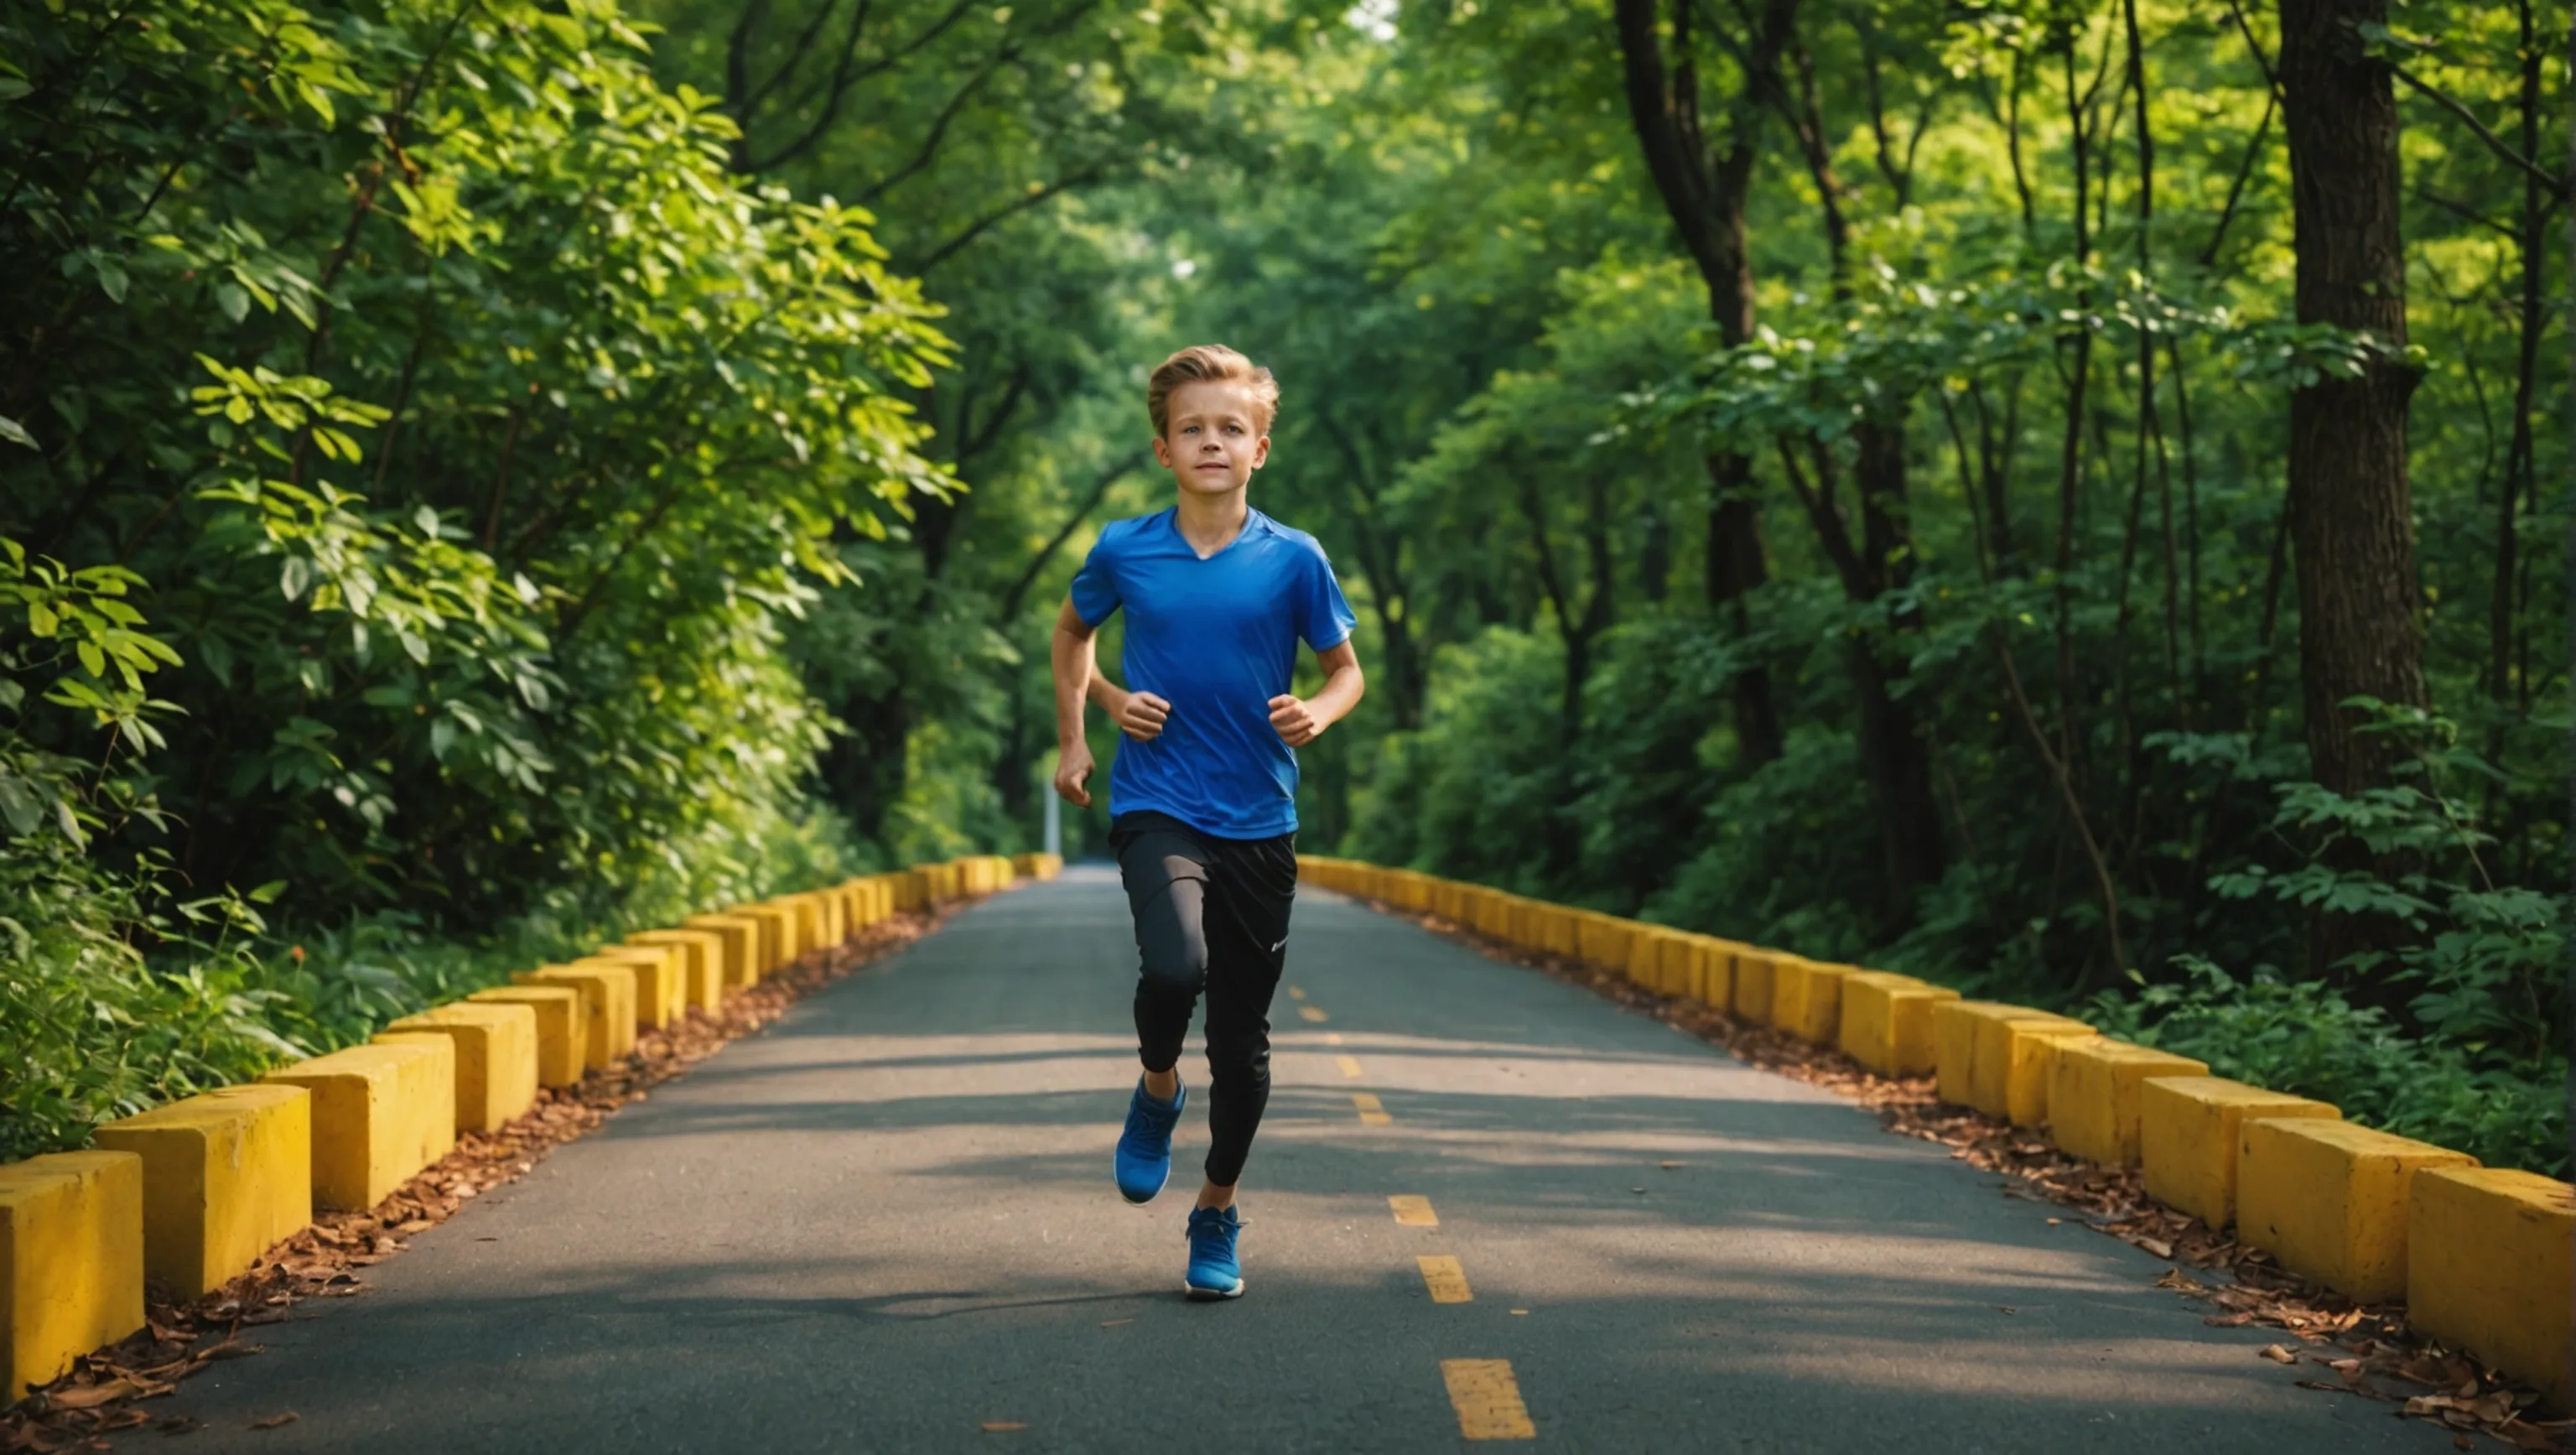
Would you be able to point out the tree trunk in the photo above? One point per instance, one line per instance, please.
(1706, 203)
(1893, 755)
(1735, 567)
(2350, 510)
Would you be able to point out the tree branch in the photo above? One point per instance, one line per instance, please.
(1117, 470)
(2557, 186)
(939, 125)
(979, 226)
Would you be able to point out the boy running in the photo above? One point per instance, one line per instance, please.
(1202, 796)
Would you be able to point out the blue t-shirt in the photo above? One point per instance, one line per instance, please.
(1217, 639)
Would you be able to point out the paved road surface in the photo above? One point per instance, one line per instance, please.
(888, 1221)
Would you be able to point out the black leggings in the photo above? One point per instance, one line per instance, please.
(1210, 914)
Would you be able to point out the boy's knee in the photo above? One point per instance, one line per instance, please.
(1179, 967)
(1242, 1053)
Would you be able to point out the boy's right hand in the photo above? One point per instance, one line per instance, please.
(1072, 775)
(1141, 716)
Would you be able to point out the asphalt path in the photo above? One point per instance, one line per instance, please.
(887, 1223)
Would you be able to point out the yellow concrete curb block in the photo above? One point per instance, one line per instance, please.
(777, 934)
(741, 936)
(1564, 930)
(2187, 1138)
(702, 962)
(870, 902)
(2093, 1095)
(813, 920)
(2329, 1200)
(799, 934)
(226, 1175)
(1712, 963)
(71, 1261)
(1602, 940)
(607, 1007)
(563, 1027)
(1995, 1056)
(1672, 959)
(1887, 1021)
(1646, 959)
(1954, 1048)
(2024, 1060)
(1753, 980)
(939, 882)
(2489, 1268)
(1807, 998)
(496, 1058)
(380, 1114)
(661, 980)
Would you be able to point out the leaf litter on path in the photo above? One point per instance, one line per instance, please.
(178, 1340)
(2364, 1345)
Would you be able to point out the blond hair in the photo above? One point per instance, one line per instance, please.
(1206, 363)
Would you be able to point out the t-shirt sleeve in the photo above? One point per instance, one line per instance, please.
(1095, 586)
(1324, 618)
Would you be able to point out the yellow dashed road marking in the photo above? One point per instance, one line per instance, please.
(1312, 1014)
(1413, 1211)
(1350, 1067)
(1488, 1399)
(1295, 993)
(1372, 1111)
(1446, 1280)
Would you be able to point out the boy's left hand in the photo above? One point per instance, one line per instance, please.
(1294, 721)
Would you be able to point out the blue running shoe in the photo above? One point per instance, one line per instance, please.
(1144, 1158)
(1214, 1273)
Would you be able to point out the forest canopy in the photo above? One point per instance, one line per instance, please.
(2066, 499)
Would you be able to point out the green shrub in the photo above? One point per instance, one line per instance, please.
(2305, 1037)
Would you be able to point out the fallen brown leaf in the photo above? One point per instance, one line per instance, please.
(275, 1421)
(2279, 1354)
(92, 1397)
(995, 1427)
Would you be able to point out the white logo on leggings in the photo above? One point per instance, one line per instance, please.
(1283, 944)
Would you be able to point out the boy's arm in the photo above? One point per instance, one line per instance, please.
(1300, 720)
(1074, 656)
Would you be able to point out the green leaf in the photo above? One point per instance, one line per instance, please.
(16, 433)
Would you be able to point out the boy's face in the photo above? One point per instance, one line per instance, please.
(1212, 439)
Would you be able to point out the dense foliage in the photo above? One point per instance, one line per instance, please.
(1812, 470)
(417, 445)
